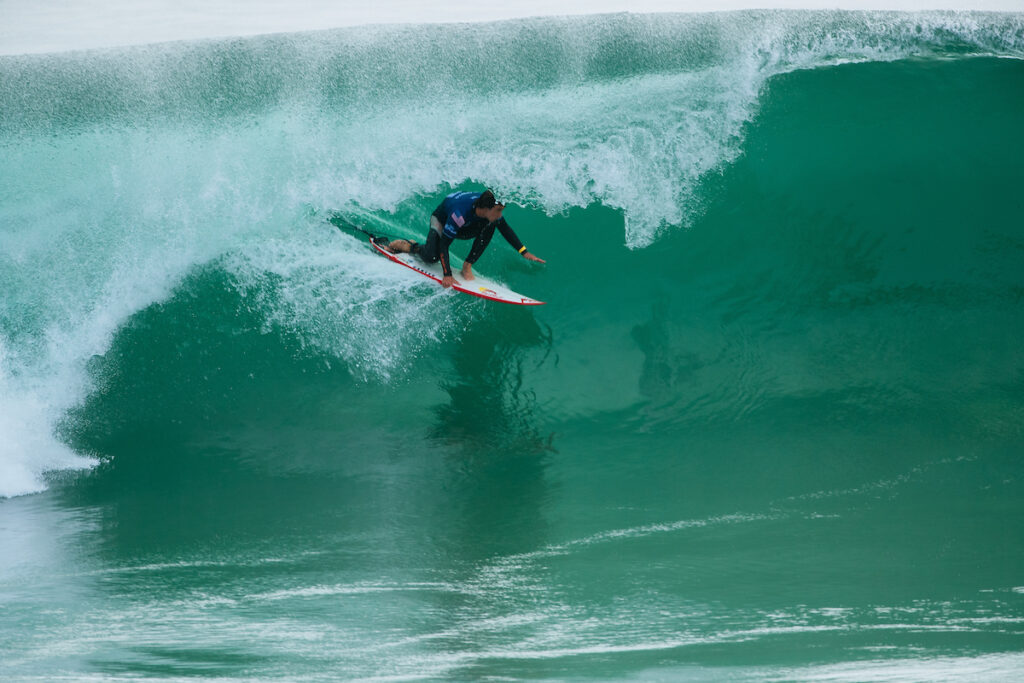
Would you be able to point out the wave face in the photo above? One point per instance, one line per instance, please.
(773, 405)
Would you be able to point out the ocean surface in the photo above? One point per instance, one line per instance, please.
(769, 425)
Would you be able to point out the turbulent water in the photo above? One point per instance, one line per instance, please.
(769, 425)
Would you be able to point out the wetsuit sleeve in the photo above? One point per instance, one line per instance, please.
(480, 243)
(443, 255)
(510, 236)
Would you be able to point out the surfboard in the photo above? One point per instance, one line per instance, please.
(480, 286)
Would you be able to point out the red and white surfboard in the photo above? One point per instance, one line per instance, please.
(479, 286)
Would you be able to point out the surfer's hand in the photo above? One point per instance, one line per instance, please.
(447, 281)
(530, 257)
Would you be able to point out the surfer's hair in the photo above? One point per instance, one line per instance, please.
(486, 200)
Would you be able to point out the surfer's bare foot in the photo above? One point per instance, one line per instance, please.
(400, 246)
(467, 271)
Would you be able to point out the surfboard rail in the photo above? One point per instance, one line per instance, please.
(480, 287)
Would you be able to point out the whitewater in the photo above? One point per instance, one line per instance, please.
(767, 426)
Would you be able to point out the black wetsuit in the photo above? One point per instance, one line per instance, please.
(459, 221)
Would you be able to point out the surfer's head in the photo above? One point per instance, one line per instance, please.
(486, 206)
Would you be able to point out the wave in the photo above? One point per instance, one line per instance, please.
(130, 170)
(631, 111)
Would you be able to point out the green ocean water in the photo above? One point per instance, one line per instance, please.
(768, 426)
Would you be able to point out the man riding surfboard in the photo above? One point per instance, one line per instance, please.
(462, 216)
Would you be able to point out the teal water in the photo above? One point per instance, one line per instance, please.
(769, 425)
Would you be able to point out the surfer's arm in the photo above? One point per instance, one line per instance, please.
(510, 236)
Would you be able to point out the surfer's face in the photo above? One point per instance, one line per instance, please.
(492, 214)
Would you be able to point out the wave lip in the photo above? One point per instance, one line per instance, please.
(33, 28)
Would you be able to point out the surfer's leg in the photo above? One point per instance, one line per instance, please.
(431, 251)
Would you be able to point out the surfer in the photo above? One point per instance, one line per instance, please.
(462, 216)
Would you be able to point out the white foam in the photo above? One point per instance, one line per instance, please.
(353, 589)
(340, 298)
(995, 668)
(27, 449)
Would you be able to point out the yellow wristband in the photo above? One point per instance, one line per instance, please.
(522, 250)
